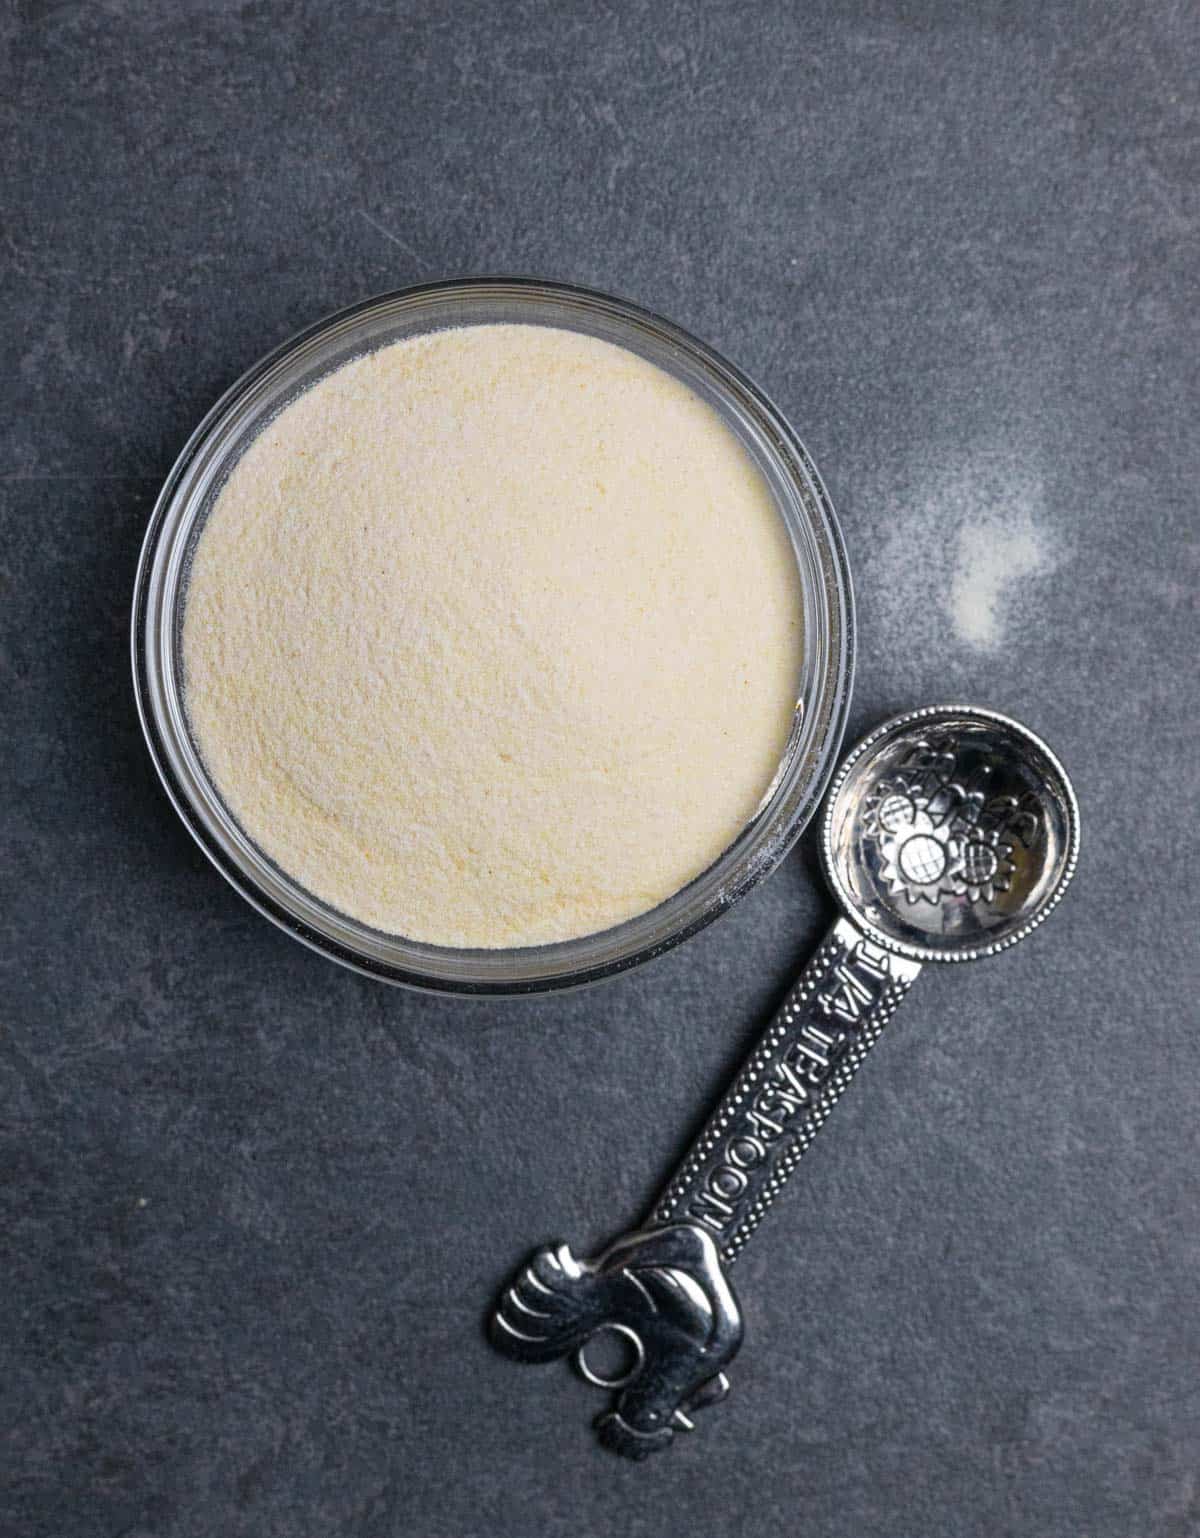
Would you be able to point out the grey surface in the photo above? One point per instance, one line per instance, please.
(255, 1208)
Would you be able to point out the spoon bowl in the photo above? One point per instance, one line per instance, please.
(950, 833)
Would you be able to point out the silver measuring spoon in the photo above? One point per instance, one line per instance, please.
(948, 834)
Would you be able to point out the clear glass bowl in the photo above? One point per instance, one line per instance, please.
(190, 492)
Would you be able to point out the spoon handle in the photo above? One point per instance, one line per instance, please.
(662, 1289)
(804, 1060)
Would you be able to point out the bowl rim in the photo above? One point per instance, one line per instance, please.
(792, 813)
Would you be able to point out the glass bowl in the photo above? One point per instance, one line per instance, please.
(190, 492)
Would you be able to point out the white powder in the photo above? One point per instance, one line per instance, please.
(493, 637)
(994, 556)
(963, 553)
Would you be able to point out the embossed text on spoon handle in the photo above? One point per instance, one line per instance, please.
(791, 1081)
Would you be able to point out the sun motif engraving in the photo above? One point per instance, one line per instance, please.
(986, 866)
(918, 853)
(922, 858)
(939, 834)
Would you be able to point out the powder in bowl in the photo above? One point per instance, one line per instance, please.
(493, 637)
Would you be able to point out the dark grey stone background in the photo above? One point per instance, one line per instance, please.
(254, 1206)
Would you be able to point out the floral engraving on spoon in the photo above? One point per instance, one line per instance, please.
(941, 832)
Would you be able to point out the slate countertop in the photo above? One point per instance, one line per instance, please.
(254, 1207)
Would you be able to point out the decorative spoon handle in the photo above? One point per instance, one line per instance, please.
(662, 1289)
(803, 1061)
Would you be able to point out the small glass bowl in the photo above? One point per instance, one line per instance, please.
(191, 490)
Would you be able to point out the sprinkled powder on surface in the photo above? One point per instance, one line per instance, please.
(994, 556)
(493, 637)
(970, 553)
